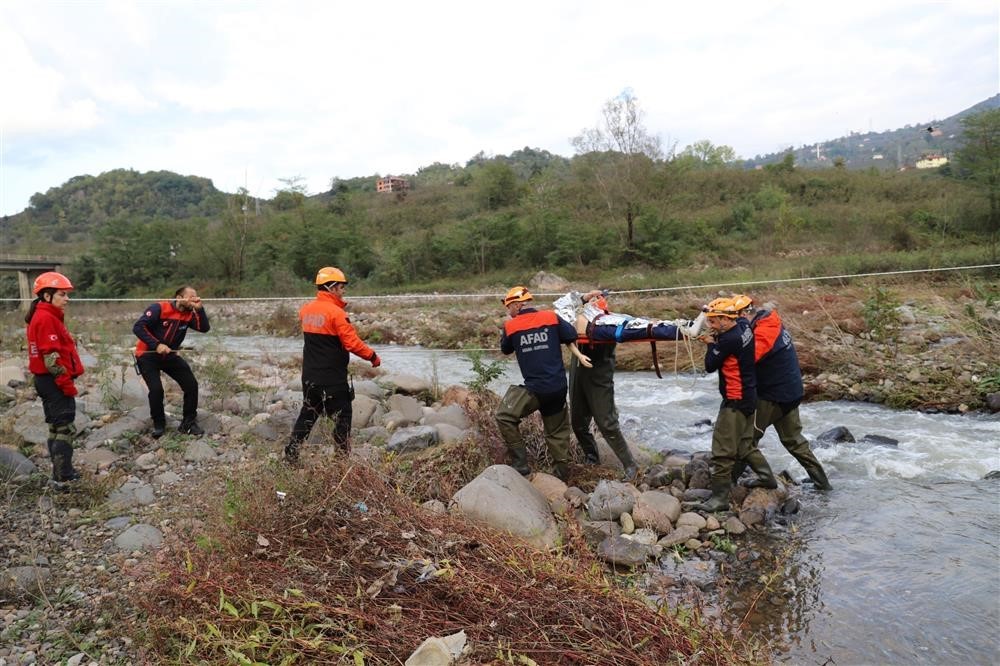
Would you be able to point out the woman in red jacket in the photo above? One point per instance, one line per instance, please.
(55, 363)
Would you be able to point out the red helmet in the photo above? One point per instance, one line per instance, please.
(52, 280)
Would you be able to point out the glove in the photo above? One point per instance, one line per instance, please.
(66, 385)
(376, 361)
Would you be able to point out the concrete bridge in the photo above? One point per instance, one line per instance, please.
(28, 267)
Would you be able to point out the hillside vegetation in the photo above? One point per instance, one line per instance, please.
(622, 215)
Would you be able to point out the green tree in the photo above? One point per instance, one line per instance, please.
(979, 159)
(496, 185)
(623, 154)
(705, 155)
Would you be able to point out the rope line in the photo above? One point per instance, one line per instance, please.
(435, 296)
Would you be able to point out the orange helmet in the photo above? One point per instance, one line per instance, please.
(517, 295)
(330, 274)
(52, 280)
(722, 307)
(742, 302)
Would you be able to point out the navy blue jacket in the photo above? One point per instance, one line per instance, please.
(732, 354)
(535, 336)
(779, 377)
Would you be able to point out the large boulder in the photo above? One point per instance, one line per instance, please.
(504, 500)
(411, 408)
(416, 438)
(30, 425)
(450, 414)
(624, 552)
(610, 500)
(13, 464)
(12, 370)
(361, 410)
(407, 384)
(837, 435)
(657, 510)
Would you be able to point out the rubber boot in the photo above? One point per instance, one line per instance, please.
(590, 455)
(158, 430)
(719, 501)
(560, 471)
(818, 476)
(62, 462)
(765, 477)
(629, 465)
(519, 461)
(292, 452)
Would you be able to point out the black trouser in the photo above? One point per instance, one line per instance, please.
(60, 412)
(335, 402)
(151, 365)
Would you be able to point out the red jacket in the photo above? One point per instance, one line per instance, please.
(47, 334)
(329, 340)
(164, 323)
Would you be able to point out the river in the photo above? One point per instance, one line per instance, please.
(899, 564)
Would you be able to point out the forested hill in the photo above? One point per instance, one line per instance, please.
(73, 211)
(891, 149)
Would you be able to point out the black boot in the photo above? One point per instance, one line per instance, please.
(818, 476)
(292, 452)
(765, 477)
(62, 462)
(190, 427)
(719, 501)
(519, 461)
(158, 430)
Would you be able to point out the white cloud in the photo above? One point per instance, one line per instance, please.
(320, 89)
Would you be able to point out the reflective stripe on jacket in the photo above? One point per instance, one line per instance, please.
(164, 323)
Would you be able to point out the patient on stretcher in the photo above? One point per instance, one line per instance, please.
(590, 315)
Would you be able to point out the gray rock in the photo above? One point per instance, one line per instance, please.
(435, 506)
(733, 525)
(147, 461)
(139, 537)
(28, 580)
(14, 464)
(990, 476)
(132, 423)
(656, 509)
(609, 500)
(698, 473)
(267, 431)
(836, 435)
(681, 534)
(696, 494)
(503, 499)
(406, 384)
(543, 281)
(416, 438)
(451, 414)
(449, 434)
(993, 402)
(134, 492)
(167, 478)
(372, 434)
(12, 370)
(367, 387)
(361, 410)
(411, 409)
(118, 522)
(879, 440)
(596, 531)
(693, 519)
(624, 552)
(199, 451)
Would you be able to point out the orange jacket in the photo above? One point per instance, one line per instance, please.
(329, 339)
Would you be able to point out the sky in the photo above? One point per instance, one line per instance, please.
(251, 93)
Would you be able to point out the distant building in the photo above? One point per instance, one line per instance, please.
(392, 184)
(877, 156)
(931, 161)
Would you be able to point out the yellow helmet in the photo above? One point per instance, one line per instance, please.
(742, 302)
(722, 307)
(517, 295)
(330, 274)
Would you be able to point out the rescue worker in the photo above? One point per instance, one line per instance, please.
(731, 352)
(54, 361)
(161, 330)
(536, 336)
(329, 339)
(592, 398)
(779, 388)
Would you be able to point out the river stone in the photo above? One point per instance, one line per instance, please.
(30, 423)
(692, 519)
(609, 500)
(990, 476)
(367, 387)
(696, 494)
(993, 402)
(435, 506)
(416, 438)
(12, 370)
(411, 409)
(619, 550)
(406, 384)
(698, 473)
(14, 464)
(733, 525)
(393, 420)
(503, 499)
(549, 486)
(134, 492)
(596, 531)
(837, 435)
(677, 459)
(372, 435)
(199, 451)
(628, 525)
(643, 535)
(362, 409)
(117, 523)
(132, 423)
(96, 459)
(656, 509)
(680, 535)
(147, 461)
(30, 580)
(449, 434)
(543, 281)
(879, 440)
(450, 414)
(139, 537)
